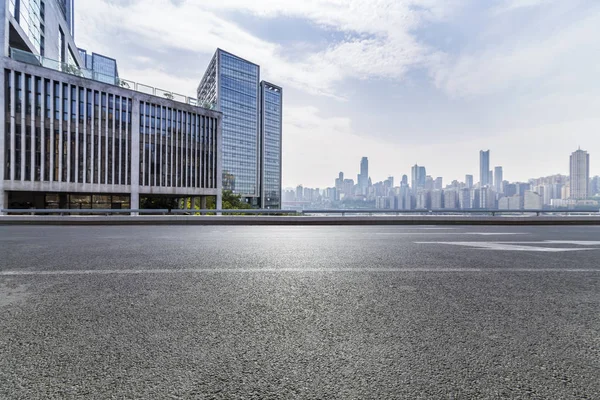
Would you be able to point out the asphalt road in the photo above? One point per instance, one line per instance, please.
(299, 312)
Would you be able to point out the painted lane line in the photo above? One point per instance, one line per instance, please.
(447, 233)
(502, 246)
(286, 270)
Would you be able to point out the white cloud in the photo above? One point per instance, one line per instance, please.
(532, 57)
(379, 41)
(546, 63)
(511, 5)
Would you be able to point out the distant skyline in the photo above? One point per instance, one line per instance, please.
(496, 170)
(431, 82)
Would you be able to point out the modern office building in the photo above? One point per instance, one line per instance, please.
(271, 101)
(510, 203)
(580, 175)
(498, 179)
(404, 181)
(484, 168)
(419, 177)
(487, 198)
(465, 199)
(70, 141)
(437, 199)
(532, 201)
(595, 186)
(40, 27)
(363, 177)
(232, 86)
(469, 181)
(451, 199)
(104, 68)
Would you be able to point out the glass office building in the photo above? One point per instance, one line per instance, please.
(104, 68)
(271, 98)
(232, 84)
(251, 127)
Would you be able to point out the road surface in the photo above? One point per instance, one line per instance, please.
(349, 312)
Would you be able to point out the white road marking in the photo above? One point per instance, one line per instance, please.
(448, 233)
(279, 270)
(518, 246)
(494, 233)
(575, 242)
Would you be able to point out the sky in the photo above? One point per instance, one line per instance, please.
(402, 82)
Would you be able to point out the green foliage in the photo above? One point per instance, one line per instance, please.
(158, 203)
(233, 201)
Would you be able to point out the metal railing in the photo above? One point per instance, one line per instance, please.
(271, 212)
(92, 211)
(492, 212)
(30, 58)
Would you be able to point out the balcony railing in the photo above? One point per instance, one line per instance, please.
(29, 58)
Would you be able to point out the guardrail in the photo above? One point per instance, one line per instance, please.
(345, 212)
(33, 59)
(492, 212)
(108, 212)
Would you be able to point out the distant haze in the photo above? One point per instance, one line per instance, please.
(416, 81)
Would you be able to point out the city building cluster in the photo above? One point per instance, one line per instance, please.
(421, 191)
(75, 134)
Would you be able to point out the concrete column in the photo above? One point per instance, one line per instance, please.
(134, 155)
(4, 27)
(3, 144)
(203, 202)
(3, 200)
(135, 201)
(219, 202)
(219, 157)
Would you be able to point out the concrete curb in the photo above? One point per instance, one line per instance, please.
(295, 220)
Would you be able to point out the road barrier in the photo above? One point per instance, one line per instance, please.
(271, 212)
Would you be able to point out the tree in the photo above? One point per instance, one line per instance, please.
(231, 201)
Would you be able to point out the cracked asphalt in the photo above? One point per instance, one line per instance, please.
(351, 312)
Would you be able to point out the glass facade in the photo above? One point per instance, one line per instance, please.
(28, 15)
(177, 148)
(80, 145)
(104, 68)
(271, 106)
(66, 8)
(233, 84)
(70, 133)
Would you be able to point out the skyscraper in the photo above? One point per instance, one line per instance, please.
(232, 86)
(48, 28)
(363, 177)
(498, 179)
(484, 168)
(67, 8)
(271, 100)
(469, 181)
(580, 174)
(419, 175)
(404, 180)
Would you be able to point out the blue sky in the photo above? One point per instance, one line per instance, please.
(402, 82)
